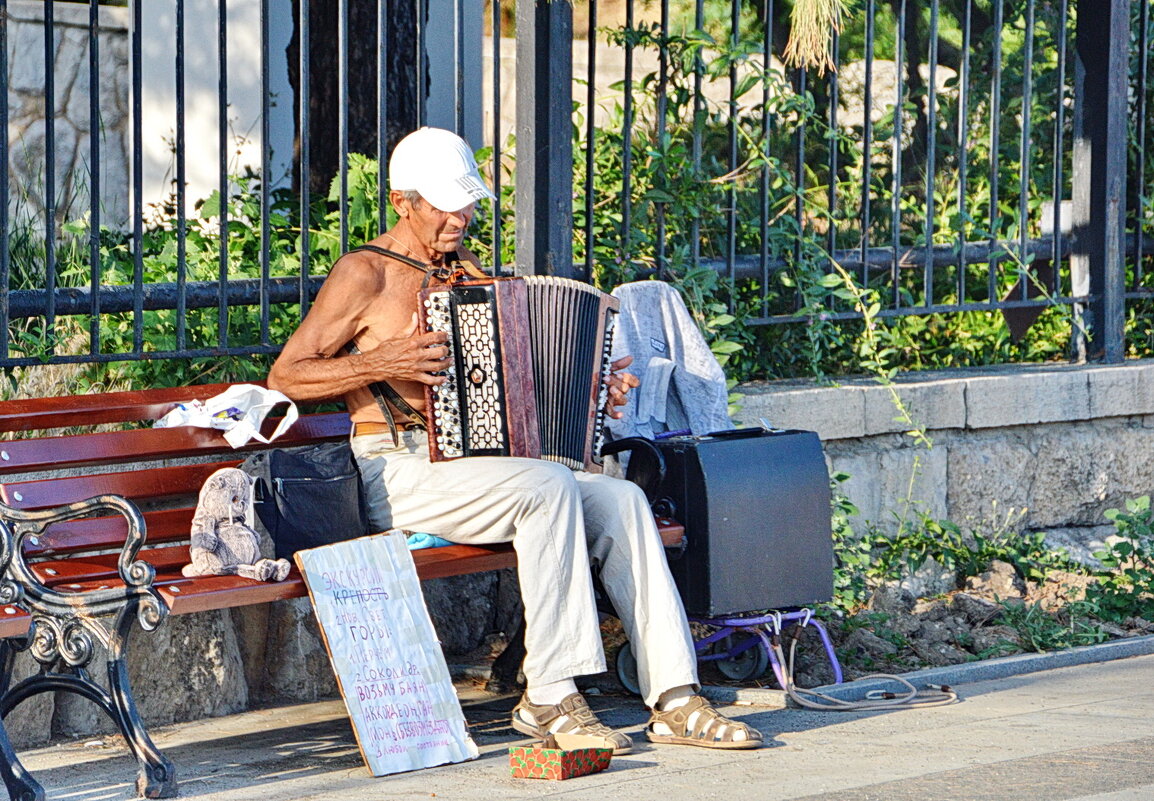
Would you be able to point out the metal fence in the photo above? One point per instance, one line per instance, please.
(965, 155)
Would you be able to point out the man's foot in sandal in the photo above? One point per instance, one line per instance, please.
(696, 722)
(571, 716)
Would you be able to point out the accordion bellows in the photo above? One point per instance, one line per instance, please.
(528, 357)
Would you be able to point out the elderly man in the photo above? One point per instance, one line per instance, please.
(362, 332)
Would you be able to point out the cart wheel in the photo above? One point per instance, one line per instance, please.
(749, 664)
(627, 669)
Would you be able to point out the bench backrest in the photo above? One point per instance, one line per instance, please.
(166, 493)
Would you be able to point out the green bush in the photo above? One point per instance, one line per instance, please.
(874, 556)
(1125, 587)
(1042, 630)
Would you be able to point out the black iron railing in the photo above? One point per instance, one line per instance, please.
(918, 167)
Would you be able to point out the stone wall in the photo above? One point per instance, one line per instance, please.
(1052, 447)
(1062, 443)
(71, 114)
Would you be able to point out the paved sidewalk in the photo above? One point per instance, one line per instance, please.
(1083, 732)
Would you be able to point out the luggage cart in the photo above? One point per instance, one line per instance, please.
(741, 646)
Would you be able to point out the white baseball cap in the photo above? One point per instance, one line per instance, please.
(439, 165)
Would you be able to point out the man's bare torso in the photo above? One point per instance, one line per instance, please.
(390, 315)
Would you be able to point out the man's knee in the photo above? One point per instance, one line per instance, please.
(633, 492)
(623, 495)
(554, 480)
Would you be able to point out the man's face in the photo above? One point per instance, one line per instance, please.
(439, 231)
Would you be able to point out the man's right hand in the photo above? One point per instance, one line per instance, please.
(414, 356)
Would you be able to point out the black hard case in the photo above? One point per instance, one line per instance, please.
(756, 508)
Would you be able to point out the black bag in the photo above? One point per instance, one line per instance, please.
(308, 497)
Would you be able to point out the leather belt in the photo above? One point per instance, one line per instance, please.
(370, 427)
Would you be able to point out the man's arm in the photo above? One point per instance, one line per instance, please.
(310, 367)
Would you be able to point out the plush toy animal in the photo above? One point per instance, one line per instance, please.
(223, 540)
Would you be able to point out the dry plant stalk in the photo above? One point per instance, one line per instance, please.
(813, 23)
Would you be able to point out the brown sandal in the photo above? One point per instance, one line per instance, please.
(710, 729)
(575, 716)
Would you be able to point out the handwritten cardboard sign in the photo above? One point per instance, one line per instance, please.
(385, 653)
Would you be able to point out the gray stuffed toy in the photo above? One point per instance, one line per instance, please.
(223, 540)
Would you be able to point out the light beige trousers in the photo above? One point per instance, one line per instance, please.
(559, 522)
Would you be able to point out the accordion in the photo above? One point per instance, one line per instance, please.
(528, 357)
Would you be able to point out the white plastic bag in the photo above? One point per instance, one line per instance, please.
(238, 412)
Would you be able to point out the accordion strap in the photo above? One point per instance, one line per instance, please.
(379, 388)
(383, 391)
(452, 270)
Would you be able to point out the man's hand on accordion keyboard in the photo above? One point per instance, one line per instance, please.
(415, 357)
(619, 385)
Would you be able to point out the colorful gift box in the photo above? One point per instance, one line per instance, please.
(560, 757)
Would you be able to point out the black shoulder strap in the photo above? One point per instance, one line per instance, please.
(387, 390)
(442, 272)
(392, 254)
(382, 390)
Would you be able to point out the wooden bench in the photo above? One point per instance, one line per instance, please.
(91, 571)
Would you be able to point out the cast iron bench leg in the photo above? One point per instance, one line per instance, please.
(21, 786)
(157, 778)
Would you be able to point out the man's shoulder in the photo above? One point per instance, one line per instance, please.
(363, 267)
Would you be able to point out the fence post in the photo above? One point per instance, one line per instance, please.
(1097, 264)
(544, 206)
(5, 255)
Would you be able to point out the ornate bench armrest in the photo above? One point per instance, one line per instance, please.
(10, 591)
(137, 575)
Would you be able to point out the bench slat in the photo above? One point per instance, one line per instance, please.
(99, 408)
(109, 532)
(140, 486)
(14, 622)
(113, 447)
(101, 568)
(202, 593)
(460, 560)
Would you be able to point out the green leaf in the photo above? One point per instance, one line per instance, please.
(749, 81)
(726, 347)
(76, 227)
(660, 196)
(211, 206)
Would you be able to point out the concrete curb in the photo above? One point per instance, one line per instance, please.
(953, 675)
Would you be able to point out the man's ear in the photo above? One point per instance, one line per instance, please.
(400, 202)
